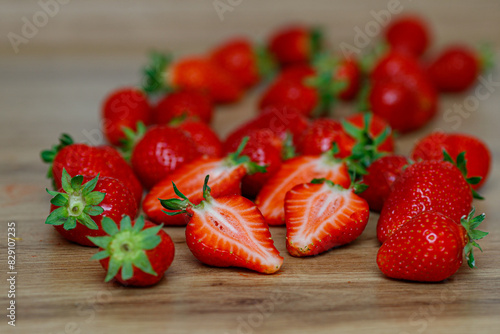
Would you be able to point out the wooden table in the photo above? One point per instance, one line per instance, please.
(56, 83)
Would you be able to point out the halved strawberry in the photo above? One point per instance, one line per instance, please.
(227, 231)
(270, 199)
(226, 180)
(321, 215)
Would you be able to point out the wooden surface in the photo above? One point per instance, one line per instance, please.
(56, 83)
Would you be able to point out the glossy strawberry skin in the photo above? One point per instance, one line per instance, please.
(124, 108)
(318, 138)
(82, 159)
(428, 248)
(303, 169)
(205, 227)
(380, 176)
(118, 201)
(343, 220)
(161, 150)
(280, 120)
(183, 103)
(160, 258)
(408, 34)
(207, 142)
(477, 154)
(292, 45)
(455, 69)
(203, 75)
(224, 180)
(425, 186)
(237, 57)
(349, 72)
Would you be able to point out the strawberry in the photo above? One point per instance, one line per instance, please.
(82, 159)
(379, 177)
(297, 72)
(191, 73)
(430, 247)
(408, 34)
(321, 215)
(246, 63)
(80, 205)
(318, 138)
(281, 120)
(349, 72)
(123, 109)
(183, 103)
(455, 69)
(271, 197)
(226, 174)
(161, 150)
(134, 253)
(477, 154)
(265, 149)
(207, 142)
(426, 186)
(227, 231)
(295, 44)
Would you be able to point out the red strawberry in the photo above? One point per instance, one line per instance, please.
(318, 138)
(295, 44)
(321, 215)
(124, 108)
(297, 72)
(227, 231)
(242, 60)
(430, 247)
(183, 103)
(348, 72)
(191, 73)
(207, 142)
(455, 69)
(82, 159)
(270, 199)
(134, 253)
(281, 120)
(409, 34)
(477, 154)
(161, 150)
(226, 179)
(80, 205)
(265, 149)
(379, 178)
(425, 186)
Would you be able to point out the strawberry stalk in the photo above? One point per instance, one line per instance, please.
(470, 223)
(236, 158)
(461, 164)
(77, 205)
(184, 205)
(125, 246)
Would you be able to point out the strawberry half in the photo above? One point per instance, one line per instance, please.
(430, 247)
(303, 169)
(80, 205)
(226, 180)
(321, 215)
(227, 231)
(135, 253)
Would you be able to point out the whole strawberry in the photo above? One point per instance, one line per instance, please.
(408, 34)
(134, 253)
(430, 247)
(192, 104)
(320, 135)
(124, 108)
(321, 215)
(227, 231)
(80, 205)
(83, 159)
(349, 72)
(205, 139)
(161, 150)
(425, 186)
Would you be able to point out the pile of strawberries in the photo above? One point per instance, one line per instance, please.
(292, 164)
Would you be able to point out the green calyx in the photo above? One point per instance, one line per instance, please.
(486, 57)
(266, 64)
(470, 223)
(316, 40)
(357, 187)
(461, 164)
(125, 246)
(182, 205)
(154, 74)
(236, 158)
(77, 204)
(48, 156)
(288, 151)
(131, 138)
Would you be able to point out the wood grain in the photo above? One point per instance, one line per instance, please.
(56, 83)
